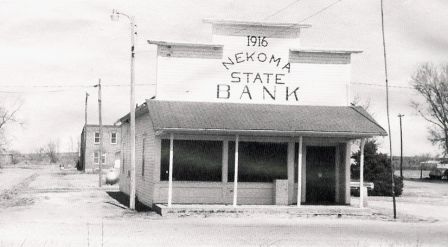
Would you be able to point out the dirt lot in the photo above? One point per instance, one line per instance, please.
(50, 207)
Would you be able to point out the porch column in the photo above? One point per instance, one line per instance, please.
(361, 173)
(291, 171)
(225, 160)
(348, 154)
(235, 178)
(225, 170)
(170, 174)
(299, 173)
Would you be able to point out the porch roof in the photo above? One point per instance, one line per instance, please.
(261, 119)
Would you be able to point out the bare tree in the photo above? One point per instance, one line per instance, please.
(8, 115)
(431, 82)
(364, 103)
(52, 151)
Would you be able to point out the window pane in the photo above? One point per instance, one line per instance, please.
(95, 157)
(192, 160)
(258, 162)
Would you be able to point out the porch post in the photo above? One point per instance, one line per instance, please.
(170, 174)
(235, 179)
(225, 170)
(225, 160)
(299, 173)
(361, 173)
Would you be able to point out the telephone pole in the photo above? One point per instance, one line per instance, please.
(394, 204)
(115, 16)
(401, 147)
(83, 153)
(85, 110)
(100, 152)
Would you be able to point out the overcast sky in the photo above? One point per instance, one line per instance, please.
(69, 44)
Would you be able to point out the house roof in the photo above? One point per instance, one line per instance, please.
(260, 119)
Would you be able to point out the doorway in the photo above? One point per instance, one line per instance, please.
(320, 175)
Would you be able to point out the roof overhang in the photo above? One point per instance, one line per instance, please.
(272, 133)
(167, 43)
(255, 23)
(317, 50)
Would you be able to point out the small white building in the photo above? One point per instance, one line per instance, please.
(250, 118)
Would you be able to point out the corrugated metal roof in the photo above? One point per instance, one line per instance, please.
(257, 118)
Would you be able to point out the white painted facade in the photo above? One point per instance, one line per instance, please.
(273, 70)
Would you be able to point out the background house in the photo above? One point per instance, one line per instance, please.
(90, 143)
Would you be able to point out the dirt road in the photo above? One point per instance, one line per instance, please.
(66, 209)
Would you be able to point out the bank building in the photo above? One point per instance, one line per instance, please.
(251, 118)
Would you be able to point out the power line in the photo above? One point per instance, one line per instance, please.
(282, 9)
(380, 85)
(67, 88)
(310, 16)
(320, 11)
(72, 85)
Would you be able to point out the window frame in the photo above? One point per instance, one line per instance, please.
(111, 138)
(94, 137)
(164, 166)
(96, 155)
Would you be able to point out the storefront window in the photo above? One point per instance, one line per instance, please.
(192, 160)
(258, 162)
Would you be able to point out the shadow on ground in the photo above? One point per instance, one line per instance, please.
(123, 201)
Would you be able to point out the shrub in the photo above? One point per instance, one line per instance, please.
(377, 169)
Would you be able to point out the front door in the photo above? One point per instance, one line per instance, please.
(320, 175)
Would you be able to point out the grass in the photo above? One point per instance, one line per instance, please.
(14, 197)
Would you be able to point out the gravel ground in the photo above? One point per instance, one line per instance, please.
(67, 209)
(11, 176)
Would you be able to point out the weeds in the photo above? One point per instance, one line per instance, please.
(13, 197)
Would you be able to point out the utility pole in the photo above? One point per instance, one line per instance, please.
(401, 147)
(85, 109)
(115, 16)
(83, 150)
(100, 153)
(394, 205)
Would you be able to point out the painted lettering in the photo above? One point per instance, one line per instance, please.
(223, 91)
(267, 76)
(246, 91)
(238, 57)
(266, 91)
(275, 60)
(251, 56)
(278, 78)
(228, 63)
(293, 92)
(287, 67)
(247, 76)
(258, 77)
(235, 77)
(262, 57)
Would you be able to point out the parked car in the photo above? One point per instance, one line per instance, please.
(439, 172)
(113, 174)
